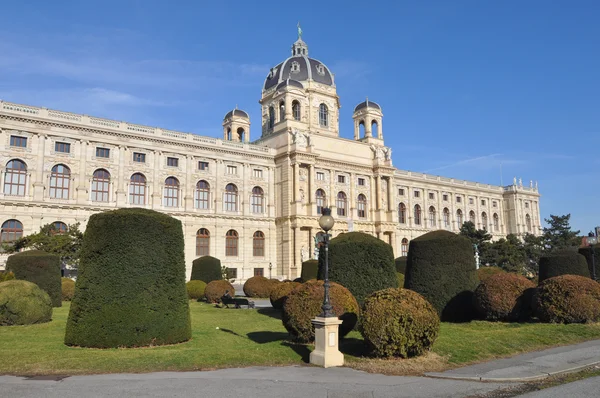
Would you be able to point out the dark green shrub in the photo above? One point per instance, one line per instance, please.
(67, 289)
(258, 286)
(280, 292)
(299, 280)
(587, 253)
(131, 285)
(216, 289)
(304, 303)
(568, 299)
(485, 272)
(563, 262)
(23, 303)
(6, 276)
(504, 297)
(195, 289)
(361, 263)
(441, 267)
(310, 269)
(207, 269)
(401, 264)
(41, 268)
(398, 322)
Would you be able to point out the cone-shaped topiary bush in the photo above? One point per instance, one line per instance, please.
(398, 322)
(400, 263)
(485, 272)
(504, 297)
(216, 289)
(41, 268)
(568, 299)
(310, 269)
(587, 253)
(195, 289)
(441, 267)
(563, 262)
(280, 292)
(258, 286)
(23, 303)
(131, 285)
(361, 263)
(304, 303)
(207, 269)
(67, 288)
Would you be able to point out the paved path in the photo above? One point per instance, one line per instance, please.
(587, 388)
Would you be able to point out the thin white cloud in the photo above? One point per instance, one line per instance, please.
(349, 69)
(470, 161)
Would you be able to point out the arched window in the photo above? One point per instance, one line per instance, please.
(100, 185)
(296, 110)
(431, 217)
(472, 217)
(321, 202)
(323, 115)
(271, 117)
(202, 242)
(361, 128)
(231, 194)
(202, 195)
(528, 222)
(59, 228)
(496, 222)
(362, 206)
(228, 135)
(484, 221)
(60, 178)
(171, 192)
(257, 200)
(240, 133)
(404, 247)
(137, 189)
(341, 203)
(402, 213)
(459, 218)
(375, 128)
(258, 244)
(446, 216)
(14, 179)
(417, 215)
(231, 243)
(281, 111)
(11, 231)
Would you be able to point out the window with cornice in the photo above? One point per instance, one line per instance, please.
(18, 141)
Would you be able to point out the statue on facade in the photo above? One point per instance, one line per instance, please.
(316, 250)
(476, 256)
(520, 182)
(377, 152)
(299, 31)
(304, 254)
(388, 153)
(514, 180)
(302, 196)
(530, 183)
(299, 138)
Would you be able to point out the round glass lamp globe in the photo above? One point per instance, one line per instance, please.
(326, 221)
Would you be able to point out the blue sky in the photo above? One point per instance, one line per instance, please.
(465, 86)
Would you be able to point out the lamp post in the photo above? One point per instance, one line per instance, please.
(326, 223)
(270, 268)
(591, 241)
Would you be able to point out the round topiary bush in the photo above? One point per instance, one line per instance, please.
(304, 303)
(68, 289)
(441, 267)
(310, 269)
(207, 269)
(400, 263)
(258, 286)
(195, 289)
(39, 267)
(398, 322)
(131, 286)
(23, 303)
(568, 299)
(563, 262)
(504, 297)
(587, 253)
(216, 289)
(280, 292)
(360, 262)
(485, 272)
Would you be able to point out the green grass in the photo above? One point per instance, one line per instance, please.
(235, 338)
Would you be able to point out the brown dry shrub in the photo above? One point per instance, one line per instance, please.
(504, 297)
(216, 289)
(568, 299)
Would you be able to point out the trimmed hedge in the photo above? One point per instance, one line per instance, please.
(398, 322)
(563, 262)
(568, 299)
(304, 303)
(258, 286)
(587, 253)
(207, 269)
(23, 303)
(310, 270)
(6, 276)
(67, 288)
(441, 267)
(360, 262)
(485, 272)
(280, 292)
(400, 278)
(131, 286)
(504, 297)
(195, 289)
(216, 289)
(400, 263)
(41, 268)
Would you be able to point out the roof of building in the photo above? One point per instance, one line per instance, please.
(367, 104)
(236, 112)
(290, 82)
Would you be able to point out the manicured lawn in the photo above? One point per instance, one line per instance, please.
(235, 338)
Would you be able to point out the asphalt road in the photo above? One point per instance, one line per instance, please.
(587, 388)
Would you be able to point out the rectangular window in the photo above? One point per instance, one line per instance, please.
(458, 199)
(231, 273)
(401, 191)
(342, 179)
(139, 157)
(471, 201)
(102, 152)
(203, 166)
(63, 147)
(259, 272)
(482, 202)
(527, 205)
(231, 170)
(320, 176)
(257, 173)
(361, 182)
(15, 140)
(417, 194)
(445, 197)
(431, 195)
(173, 162)
(494, 204)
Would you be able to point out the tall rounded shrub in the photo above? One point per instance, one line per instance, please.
(216, 289)
(131, 285)
(587, 252)
(280, 292)
(23, 303)
(207, 269)
(310, 269)
(441, 267)
(563, 262)
(400, 263)
(361, 263)
(41, 268)
(504, 297)
(258, 286)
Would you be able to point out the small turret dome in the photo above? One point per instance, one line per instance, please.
(236, 112)
(367, 104)
(290, 82)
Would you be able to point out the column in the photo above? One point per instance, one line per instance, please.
(296, 167)
(188, 185)
(38, 185)
(331, 202)
(352, 199)
(121, 193)
(311, 184)
(372, 198)
(81, 190)
(378, 191)
(156, 186)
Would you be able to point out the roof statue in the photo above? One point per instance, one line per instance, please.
(299, 31)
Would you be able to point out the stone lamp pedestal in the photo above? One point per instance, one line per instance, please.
(326, 352)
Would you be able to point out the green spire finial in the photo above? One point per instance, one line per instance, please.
(299, 31)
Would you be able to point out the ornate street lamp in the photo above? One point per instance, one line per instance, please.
(270, 268)
(326, 223)
(591, 241)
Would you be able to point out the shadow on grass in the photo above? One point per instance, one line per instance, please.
(300, 349)
(272, 312)
(354, 347)
(267, 337)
